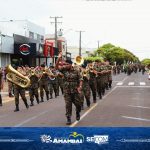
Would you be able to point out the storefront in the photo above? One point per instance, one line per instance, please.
(33, 53)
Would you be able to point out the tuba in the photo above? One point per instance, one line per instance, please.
(17, 78)
(79, 60)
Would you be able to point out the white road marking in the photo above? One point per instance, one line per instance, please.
(139, 107)
(134, 86)
(131, 83)
(134, 118)
(88, 111)
(119, 83)
(142, 83)
(30, 119)
(124, 79)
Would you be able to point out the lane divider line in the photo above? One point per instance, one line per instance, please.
(139, 107)
(135, 118)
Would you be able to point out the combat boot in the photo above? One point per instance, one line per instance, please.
(41, 100)
(68, 121)
(32, 104)
(47, 95)
(26, 104)
(51, 96)
(11, 95)
(55, 95)
(37, 100)
(77, 116)
(17, 108)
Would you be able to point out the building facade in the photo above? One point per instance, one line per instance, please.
(16, 37)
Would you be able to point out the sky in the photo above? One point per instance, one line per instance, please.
(124, 23)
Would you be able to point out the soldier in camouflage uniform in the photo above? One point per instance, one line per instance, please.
(53, 83)
(92, 81)
(19, 90)
(60, 82)
(99, 80)
(43, 83)
(72, 87)
(109, 68)
(86, 92)
(33, 89)
(1, 85)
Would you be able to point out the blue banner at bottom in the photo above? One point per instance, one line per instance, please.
(74, 138)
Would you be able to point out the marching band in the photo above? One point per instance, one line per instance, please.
(76, 81)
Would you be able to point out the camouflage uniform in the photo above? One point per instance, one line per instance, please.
(100, 81)
(86, 92)
(19, 90)
(109, 67)
(60, 84)
(1, 77)
(33, 89)
(10, 89)
(71, 95)
(43, 83)
(53, 85)
(92, 83)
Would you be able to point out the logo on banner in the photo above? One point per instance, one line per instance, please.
(73, 138)
(98, 139)
(24, 49)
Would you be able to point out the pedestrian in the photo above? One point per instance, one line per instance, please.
(72, 87)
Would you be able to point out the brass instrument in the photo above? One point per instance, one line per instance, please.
(49, 73)
(85, 73)
(79, 60)
(17, 78)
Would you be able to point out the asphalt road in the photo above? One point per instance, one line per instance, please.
(127, 104)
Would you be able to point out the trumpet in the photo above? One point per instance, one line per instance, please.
(85, 73)
(49, 73)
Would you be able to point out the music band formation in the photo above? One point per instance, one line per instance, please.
(75, 80)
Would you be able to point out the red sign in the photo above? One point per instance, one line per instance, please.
(48, 49)
(24, 49)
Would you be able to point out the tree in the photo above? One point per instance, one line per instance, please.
(146, 61)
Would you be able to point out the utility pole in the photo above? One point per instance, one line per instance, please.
(98, 44)
(56, 22)
(56, 46)
(80, 41)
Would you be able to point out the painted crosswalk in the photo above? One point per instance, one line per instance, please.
(131, 83)
(120, 83)
(142, 83)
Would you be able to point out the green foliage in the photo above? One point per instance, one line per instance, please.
(116, 54)
(146, 61)
(92, 59)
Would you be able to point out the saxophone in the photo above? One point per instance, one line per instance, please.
(17, 78)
